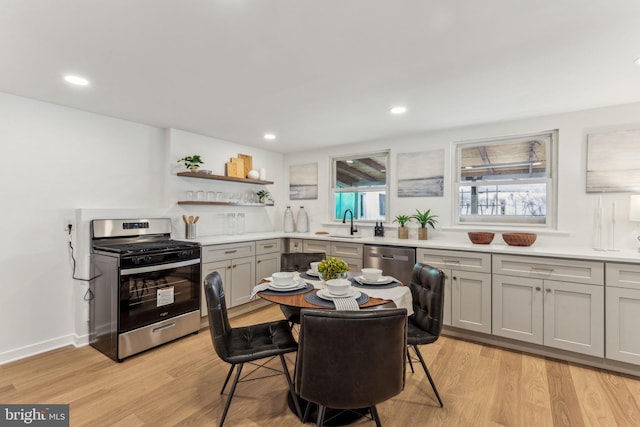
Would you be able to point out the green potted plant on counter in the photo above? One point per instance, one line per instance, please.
(191, 162)
(332, 268)
(403, 232)
(425, 218)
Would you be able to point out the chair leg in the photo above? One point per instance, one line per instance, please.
(320, 418)
(410, 363)
(233, 389)
(291, 389)
(307, 411)
(375, 416)
(227, 379)
(426, 371)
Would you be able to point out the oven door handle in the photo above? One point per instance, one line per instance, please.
(158, 267)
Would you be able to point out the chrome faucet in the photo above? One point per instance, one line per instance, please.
(353, 228)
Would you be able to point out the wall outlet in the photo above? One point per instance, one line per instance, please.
(68, 220)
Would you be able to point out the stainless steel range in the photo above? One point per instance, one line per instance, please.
(147, 289)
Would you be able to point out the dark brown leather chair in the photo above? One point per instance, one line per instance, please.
(238, 346)
(301, 262)
(425, 324)
(351, 359)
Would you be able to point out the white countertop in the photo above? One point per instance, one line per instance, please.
(537, 249)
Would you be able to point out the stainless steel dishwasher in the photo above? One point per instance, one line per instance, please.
(394, 261)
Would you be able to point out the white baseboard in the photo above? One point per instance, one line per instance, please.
(37, 348)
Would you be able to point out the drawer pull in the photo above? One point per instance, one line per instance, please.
(231, 251)
(451, 261)
(267, 246)
(541, 270)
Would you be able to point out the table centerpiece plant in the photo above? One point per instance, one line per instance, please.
(403, 232)
(425, 218)
(332, 268)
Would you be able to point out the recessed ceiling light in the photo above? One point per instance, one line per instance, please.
(76, 80)
(269, 136)
(398, 110)
(637, 61)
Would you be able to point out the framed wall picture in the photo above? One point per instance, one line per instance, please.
(613, 162)
(303, 182)
(421, 174)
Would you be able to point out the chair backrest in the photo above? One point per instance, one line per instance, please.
(427, 291)
(351, 359)
(299, 261)
(218, 320)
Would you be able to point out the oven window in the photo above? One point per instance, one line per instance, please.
(149, 297)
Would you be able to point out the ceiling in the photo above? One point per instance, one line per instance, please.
(324, 72)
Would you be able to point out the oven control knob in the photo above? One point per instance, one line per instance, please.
(147, 259)
(185, 254)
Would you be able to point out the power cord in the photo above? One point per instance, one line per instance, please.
(88, 295)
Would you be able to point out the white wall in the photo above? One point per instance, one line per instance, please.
(576, 208)
(63, 163)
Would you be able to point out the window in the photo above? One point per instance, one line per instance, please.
(360, 183)
(506, 180)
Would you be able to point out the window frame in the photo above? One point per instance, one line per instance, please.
(550, 180)
(334, 190)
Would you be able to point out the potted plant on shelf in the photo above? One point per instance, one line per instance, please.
(403, 232)
(425, 218)
(332, 268)
(191, 162)
(264, 196)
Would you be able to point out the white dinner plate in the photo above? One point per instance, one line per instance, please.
(383, 280)
(313, 273)
(324, 294)
(287, 286)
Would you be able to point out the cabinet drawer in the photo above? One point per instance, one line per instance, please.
(458, 260)
(565, 270)
(350, 250)
(316, 246)
(623, 275)
(228, 251)
(295, 245)
(268, 246)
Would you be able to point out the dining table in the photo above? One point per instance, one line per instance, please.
(388, 292)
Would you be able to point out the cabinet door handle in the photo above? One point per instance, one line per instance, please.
(258, 262)
(231, 252)
(234, 265)
(548, 290)
(228, 267)
(538, 288)
(541, 270)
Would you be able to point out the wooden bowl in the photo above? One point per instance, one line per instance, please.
(519, 239)
(480, 237)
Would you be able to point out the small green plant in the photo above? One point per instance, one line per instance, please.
(191, 162)
(264, 196)
(402, 219)
(332, 268)
(425, 218)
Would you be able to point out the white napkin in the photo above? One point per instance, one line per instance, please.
(259, 288)
(400, 295)
(346, 304)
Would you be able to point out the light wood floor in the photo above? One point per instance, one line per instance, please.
(179, 384)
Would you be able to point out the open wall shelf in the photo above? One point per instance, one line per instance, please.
(204, 203)
(222, 178)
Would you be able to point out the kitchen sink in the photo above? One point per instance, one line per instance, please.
(345, 236)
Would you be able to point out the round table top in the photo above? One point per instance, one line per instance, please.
(299, 301)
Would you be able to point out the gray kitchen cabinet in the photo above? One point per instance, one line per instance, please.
(295, 245)
(467, 291)
(351, 253)
(623, 312)
(316, 246)
(530, 305)
(267, 257)
(239, 262)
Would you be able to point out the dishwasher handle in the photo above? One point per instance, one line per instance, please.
(404, 258)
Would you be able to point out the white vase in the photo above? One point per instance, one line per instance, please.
(303, 221)
(288, 226)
